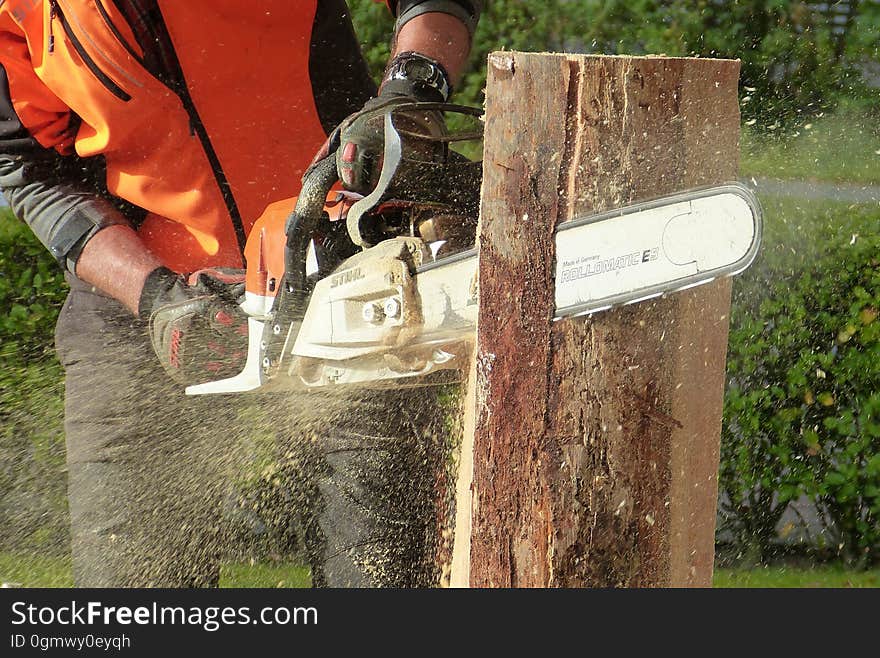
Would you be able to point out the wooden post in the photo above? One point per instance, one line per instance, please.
(596, 441)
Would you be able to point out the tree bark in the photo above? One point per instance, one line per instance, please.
(596, 440)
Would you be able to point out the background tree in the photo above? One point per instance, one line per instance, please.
(793, 66)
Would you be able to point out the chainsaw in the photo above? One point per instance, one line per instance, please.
(382, 288)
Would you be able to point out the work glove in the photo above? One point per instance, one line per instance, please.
(359, 141)
(195, 323)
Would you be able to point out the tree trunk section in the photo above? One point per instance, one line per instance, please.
(596, 440)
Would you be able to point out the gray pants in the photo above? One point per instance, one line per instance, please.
(149, 468)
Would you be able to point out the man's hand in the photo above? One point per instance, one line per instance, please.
(360, 155)
(197, 328)
(359, 143)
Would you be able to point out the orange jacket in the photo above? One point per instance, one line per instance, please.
(204, 112)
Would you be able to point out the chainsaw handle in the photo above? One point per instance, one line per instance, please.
(315, 186)
(303, 221)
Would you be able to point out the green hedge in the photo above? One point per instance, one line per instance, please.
(802, 409)
(32, 483)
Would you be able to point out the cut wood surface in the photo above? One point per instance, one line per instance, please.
(596, 440)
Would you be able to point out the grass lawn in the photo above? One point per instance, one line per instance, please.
(264, 575)
(840, 147)
(787, 577)
(40, 571)
(35, 571)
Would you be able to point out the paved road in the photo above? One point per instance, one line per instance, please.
(844, 192)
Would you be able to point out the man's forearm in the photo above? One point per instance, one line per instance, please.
(85, 233)
(441, 37)
(116, 262)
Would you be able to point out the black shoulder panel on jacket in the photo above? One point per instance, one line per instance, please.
(341, 81)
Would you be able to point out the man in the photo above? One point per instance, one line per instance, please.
(140, 140)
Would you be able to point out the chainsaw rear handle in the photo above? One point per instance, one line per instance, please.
(299, 228)
(290, 304)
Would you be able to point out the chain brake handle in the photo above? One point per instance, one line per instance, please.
(393, 156)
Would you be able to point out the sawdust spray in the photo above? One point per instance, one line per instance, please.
(370, 476)
(356, 483)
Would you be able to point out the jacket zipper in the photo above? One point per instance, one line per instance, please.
(53, 5)
(55, 11)
(116, 33)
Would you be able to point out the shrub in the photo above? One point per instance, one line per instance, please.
(802, 410)
(32, 482)
(32, 289)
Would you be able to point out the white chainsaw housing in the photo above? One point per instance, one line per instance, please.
(374, 320)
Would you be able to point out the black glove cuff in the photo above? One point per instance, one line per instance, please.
(416, 75)
(157, 282)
